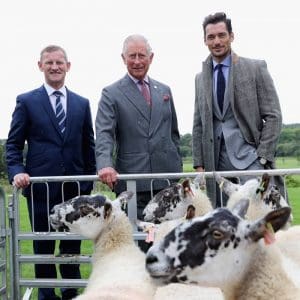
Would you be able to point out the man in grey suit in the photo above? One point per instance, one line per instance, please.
(237, 117)
(136, 125)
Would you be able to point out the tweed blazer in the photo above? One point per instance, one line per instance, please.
(254, 103)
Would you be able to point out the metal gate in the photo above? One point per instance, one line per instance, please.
(3, 234)
(19, 258)
(21, 287)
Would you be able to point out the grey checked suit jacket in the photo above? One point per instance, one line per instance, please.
(255, 106)
(134, 139)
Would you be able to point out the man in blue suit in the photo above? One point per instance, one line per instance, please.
(57, 126)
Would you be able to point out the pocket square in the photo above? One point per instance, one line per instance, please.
(166, 97)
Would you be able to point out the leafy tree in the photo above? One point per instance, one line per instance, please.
(3, 169)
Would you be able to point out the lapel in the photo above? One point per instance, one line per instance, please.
(132, 93)
(207, 76)
(231, 79)
(157, 103)
(71, 104)
(48, 108)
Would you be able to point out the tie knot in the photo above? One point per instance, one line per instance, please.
(57, 94)
(219, 67)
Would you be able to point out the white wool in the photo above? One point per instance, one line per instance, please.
(201, 203)
(177, 291)
(264, 278)
(118, 265)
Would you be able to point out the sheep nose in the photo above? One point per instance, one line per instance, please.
(151, 259)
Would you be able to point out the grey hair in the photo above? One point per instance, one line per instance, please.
(136, 38)
(52, 48)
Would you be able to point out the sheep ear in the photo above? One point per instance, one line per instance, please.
(226, 185)
(273, 221)
(264, 184)
(186, 184)
(107, 210)
(123, 198)
(199, 180)
(241, 207)
(143, 225)
(190, 212)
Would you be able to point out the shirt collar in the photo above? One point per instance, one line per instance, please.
(225, 62)
(136, 81)
(50, 90)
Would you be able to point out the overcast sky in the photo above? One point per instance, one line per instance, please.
(92, 32)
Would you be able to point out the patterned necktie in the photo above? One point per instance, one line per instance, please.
(59, 112)
(145, 92)
(220, 86)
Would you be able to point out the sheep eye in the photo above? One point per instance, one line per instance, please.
(218, 235)
(166, 194)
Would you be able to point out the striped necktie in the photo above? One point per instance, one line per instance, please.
(59, 112)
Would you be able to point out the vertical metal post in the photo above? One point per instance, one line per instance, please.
(3, 245)
(132, 204)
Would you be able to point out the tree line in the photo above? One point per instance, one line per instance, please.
(288, 145)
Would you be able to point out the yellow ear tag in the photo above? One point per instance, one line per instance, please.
(269, 235)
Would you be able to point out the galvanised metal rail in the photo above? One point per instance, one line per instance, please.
(3, 234)
(18, 258)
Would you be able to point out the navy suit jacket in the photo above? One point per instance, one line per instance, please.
(49, 152)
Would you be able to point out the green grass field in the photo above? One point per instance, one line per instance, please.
(87, 246)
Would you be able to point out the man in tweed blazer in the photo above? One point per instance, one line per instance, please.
(242, 135)
(144, 136)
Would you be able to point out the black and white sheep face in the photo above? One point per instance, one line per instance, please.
(86, 215)
(212, 249)
(273, 198)
(81, 215)
(170, 203)
(260, 189)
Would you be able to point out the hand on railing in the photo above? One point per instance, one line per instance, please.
(21, 180)
(109, 176)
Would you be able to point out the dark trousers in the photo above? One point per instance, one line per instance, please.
(224, 164)
(39, 223)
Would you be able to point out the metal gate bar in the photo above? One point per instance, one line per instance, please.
(3, 233)
(17, 258)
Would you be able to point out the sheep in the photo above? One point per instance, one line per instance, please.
(230, 254)
(118, 264)
(263, 196)
(172, 202)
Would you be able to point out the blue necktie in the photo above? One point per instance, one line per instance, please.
(59, 112)
(220, 86)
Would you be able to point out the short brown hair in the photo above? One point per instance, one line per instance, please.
(52, 48)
